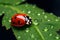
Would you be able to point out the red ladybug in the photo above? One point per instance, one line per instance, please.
(19, 20)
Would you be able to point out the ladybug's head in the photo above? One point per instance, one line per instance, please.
(28, 20)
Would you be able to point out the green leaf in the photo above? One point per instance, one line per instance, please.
(44, 25)
(11, 2)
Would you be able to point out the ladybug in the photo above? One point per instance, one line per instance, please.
(20, 20)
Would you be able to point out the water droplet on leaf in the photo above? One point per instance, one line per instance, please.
(35, 22)
(51, 13)
(26, 5)
(46, 29)
(9, 20)
(23, 0)
(43, 13)
(3, 20)
(19, 37)
(32, 36)
(27, 30)
(52, 27)
(0, 14)
(23, 11)
(3, 12)
(29, 12)
(57, 37)
(34, 6)
(56, 20)
(45, 16)
(50, 34)
(48, 20)
(38, 14)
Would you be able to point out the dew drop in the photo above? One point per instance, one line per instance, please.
(52, 27)
(34, 6)
(9, 20)
(19, 37)
(46, 29)
(51, 13)
(43, 13)
(50, 34)
(35, 39)
(29, 12)
(38, 14)
(27, 30)
(17, 3)
(4, 21)
(9, 10)
(56, 20)
(23, 0)
(32, 36)
(0, 14)
(3, 12)
(35, 22)
(48, 20)
(58, 17)
(26, 5)
(6, 6)
(57, 37)
(30, 17)
(23, 11)
(45, 16)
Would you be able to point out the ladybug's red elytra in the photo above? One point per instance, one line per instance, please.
(19, 20)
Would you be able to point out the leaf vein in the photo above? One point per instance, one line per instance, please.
(39, 32)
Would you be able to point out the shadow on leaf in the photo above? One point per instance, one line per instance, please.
(22, 28)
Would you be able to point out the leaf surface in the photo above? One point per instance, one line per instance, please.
(44, 25)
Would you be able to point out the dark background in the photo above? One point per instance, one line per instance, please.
(48, 5)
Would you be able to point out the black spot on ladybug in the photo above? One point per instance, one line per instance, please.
(13, 23)
(15, 17)
(19, 22)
